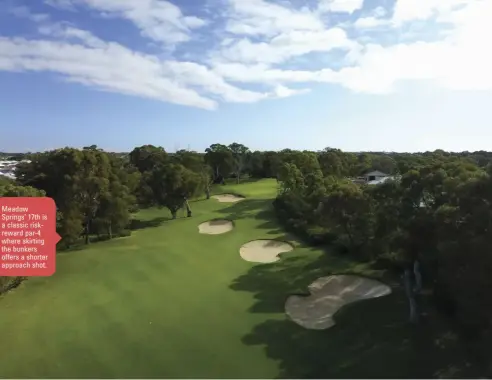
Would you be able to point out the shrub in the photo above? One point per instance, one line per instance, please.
(8, 283)
(125, 233)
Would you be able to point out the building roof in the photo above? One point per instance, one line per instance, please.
(379, 181)
(376, 173)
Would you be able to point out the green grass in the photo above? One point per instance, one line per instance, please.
(169, 302)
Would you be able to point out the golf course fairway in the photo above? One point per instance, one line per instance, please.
(169, 302)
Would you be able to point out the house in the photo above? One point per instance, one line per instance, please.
(375, 175)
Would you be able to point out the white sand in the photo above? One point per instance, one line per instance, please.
(227, 198)
(328, 295)
(264, 251)
(215, 227)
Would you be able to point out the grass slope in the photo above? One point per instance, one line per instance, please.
(169, 302)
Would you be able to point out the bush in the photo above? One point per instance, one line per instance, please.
(294, 221)
(8, 283)
(125, 233)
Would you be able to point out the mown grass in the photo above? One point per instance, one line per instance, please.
(168, 302)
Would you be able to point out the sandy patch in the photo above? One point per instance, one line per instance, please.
(216, 227)
(227, 198)
(328, 295)
(264, 251)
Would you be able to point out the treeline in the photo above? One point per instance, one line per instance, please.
(96, 191)
(432, 224)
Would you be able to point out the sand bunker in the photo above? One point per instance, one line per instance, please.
(216, 227)
(328, 295)
(228, 198)
(264, 251)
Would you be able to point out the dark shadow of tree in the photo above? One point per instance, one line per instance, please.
(371, 338)
(246, 208)
(139, 224)
(260, 209)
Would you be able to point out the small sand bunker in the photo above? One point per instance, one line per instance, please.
(328, 295)
(216, 227)
(264, 251)
(228, 198)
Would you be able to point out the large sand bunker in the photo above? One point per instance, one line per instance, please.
(228, 198)
(328, 295)
(216, 227)
(264, 251)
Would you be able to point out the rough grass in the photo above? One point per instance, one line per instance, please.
(169, 302)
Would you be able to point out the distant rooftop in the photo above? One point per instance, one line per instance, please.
(376, 173)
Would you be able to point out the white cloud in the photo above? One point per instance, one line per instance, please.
(65, 31)
(374, 20)
(260, 17)
(285, 46)
(409, 10)
(344, 6)
(285, 92)
(112, 67)
(459, 61)
(370, 22)
(255, 42)
(158, 20)
(190, 73)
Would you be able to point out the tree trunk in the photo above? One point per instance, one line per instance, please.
(174, 213)
(238, 175)
(207, 191)
(188, 209)
(87, 230)
(410, 292)
(110, 230)
(347, 229)
(418, 277)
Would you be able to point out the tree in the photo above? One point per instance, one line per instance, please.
(220, 158)
(11, 190)
(86, 185)
(146, 157)
(331, 163)
(465, 262)
(239, 154)
(118, 201)
(257, 165)
(364, 163)
(173, 185)
(347, 211)
(271, 164)
(383, 163)
(291, 180)
(196, 162)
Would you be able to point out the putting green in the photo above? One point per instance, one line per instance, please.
(168, 302)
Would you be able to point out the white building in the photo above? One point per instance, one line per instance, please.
(375, 175)
(7, 168)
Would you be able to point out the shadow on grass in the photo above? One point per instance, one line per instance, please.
(260, 209)
(243, 180)
(139, 224)
(273, 283)
(371, 338)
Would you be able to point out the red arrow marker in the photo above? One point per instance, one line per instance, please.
(28, 236)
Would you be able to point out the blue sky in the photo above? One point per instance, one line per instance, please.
(390, 75)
